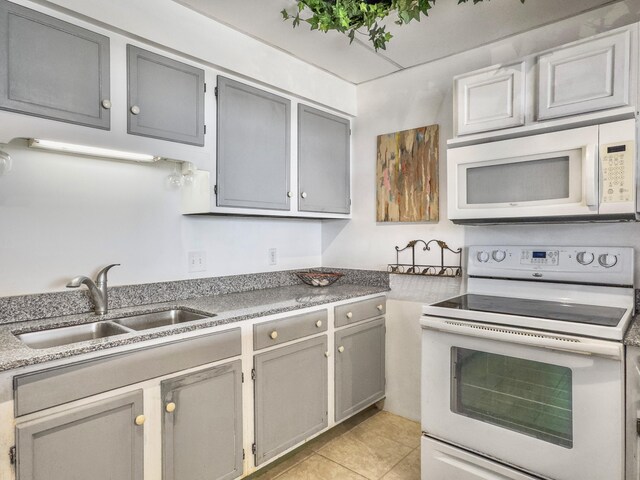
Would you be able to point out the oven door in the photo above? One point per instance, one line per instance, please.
(541, 176)
(547, 404)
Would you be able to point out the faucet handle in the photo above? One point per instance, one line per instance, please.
(102, 274)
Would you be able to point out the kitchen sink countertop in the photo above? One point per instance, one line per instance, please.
(227, 308)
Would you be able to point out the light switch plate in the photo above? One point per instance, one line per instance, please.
(197, 262)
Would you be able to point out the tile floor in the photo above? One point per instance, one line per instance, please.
(371, 445)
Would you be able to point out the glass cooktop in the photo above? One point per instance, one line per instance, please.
(524, 307)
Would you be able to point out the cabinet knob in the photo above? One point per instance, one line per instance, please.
(349, 314)
(170, 407)
(140, 420)
(303, 194)
(273, 335)
(319, 323)
(289, 194)
(135, 109)
(379, 307)
(327, 354)
(341, 349)
(106, 104)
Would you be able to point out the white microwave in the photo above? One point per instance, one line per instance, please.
(581, 174)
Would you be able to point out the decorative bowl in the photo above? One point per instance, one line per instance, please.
(318, 279)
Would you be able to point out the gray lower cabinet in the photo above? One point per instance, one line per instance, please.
(323, 161)
(290, 396)
(53, 69)
(360, 367)
(202, 424)
(166, 98)
(253, 147)
(98, 441)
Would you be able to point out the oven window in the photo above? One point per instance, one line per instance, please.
(529, 397)
(534, 180)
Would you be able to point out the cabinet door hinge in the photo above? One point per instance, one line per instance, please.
(242, 379)
(254, 449)
(12, 455)
(215, 92)
(205, 87)
(637, 427)
(253, 374)
(205, 129)
(243, 456)
(215, 189)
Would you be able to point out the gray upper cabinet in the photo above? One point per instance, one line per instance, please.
(202, 424)
(290, 396)
(99, 441)
(253, 147)
(323, 161)
(166, 98)
(53, 69)
(360, 367)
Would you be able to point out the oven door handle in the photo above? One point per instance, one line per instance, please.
(532, 338)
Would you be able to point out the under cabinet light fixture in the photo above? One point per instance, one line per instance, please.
(91, 151)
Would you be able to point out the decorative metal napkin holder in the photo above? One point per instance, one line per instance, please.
(412, 268)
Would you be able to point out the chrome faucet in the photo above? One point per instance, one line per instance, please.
(98, 289)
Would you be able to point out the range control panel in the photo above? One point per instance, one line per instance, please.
(580, 264)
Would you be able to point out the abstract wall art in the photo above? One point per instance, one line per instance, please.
(407, 176)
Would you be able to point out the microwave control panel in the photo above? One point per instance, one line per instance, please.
(617, 161)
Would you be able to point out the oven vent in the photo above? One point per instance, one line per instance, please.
(511, 332)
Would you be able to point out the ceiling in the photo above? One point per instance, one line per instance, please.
(449, 29)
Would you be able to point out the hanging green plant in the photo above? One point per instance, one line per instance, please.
(350, 16)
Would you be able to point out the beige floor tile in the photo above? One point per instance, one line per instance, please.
(407, 469)
(319, 468)
(364, 452)
(399, 429)
(283, 464)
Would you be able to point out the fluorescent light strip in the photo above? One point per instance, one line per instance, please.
(91, 151)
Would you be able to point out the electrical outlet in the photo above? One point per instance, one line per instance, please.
(273, 256)
(197, 262)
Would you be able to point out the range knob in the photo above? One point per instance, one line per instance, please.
(585, 258)
(499, 255)
(483, 257)
(607, 260)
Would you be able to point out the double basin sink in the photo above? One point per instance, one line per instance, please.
(56, 337)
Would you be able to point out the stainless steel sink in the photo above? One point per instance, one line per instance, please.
(159, 319)
(56, 337)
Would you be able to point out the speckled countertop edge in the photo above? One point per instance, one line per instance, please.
(632, 337)
(228, 309)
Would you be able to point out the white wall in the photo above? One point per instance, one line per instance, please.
(62, 216)
(422, 96)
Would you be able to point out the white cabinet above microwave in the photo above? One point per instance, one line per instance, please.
(581, 174)
(589, 81)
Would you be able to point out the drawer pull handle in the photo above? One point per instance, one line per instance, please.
(135, 110)
(170, 408)
(273, 335)
(106, 104)
(380, 307)
(140, 420)
(319, 323)
(327, 354)
(349, 314)
(341, 349)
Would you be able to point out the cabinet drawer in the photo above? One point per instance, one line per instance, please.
(356, 311)
(55, 386)
(287, 329)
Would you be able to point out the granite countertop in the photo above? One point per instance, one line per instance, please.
(632, 337)
(227, 308)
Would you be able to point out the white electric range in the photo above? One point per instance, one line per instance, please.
(523, 376)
